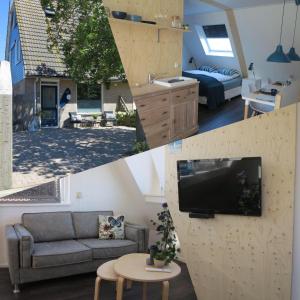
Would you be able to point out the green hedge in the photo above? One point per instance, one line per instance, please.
(126, 119)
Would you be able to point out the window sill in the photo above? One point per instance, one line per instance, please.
(220, 54)
(34, 204)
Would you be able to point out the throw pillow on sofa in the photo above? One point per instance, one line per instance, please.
(111, 227)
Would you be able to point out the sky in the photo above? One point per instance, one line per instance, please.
(4, 4)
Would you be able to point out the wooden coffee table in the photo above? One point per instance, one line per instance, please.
(132, 267)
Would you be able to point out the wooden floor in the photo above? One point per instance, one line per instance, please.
(230, 112)
(82, 288)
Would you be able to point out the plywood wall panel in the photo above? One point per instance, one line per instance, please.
(234, 257)
(140, 51)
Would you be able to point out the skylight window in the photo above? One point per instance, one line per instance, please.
(215, 40)
(49, 12)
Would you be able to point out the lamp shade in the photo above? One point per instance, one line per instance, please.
(279, 56)
(292, 55)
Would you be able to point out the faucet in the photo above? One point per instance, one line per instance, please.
(151, 78)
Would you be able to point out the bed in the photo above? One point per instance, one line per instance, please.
(216, 85)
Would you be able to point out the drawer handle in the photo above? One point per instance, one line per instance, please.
(165, 136)
(164, 100)
(165, 112)
(143, 105)
(193, 92)
(177, 96)
(164, 125)
(143, 119)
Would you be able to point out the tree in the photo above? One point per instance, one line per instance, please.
(80, 29)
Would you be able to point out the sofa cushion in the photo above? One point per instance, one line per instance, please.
(111, 227)
(86, 224)
(60, 253)
(48, 227)
(103, 249)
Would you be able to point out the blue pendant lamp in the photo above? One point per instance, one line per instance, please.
(279, 56)
(292, 53)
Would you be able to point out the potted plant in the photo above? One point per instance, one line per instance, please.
(166, 250)
(95, 117)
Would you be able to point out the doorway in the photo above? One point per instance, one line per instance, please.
(49, 107)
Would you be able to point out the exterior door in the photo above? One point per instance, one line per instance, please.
(49, 116)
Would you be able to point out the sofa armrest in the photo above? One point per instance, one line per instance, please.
(138, 234)
(13, 254)
(26, 245)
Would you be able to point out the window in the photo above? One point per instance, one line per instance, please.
(49, 12)
(215, 40)
(18, 55)
(14, 20)
(89, 99)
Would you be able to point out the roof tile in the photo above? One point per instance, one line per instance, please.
(38, 59)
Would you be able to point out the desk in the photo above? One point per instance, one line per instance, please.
(258, 98)
(263, 98)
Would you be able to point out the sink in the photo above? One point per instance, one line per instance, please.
(174, 81)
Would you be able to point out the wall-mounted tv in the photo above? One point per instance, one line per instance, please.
(220, 186)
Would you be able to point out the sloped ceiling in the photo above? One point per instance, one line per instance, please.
(198, 6)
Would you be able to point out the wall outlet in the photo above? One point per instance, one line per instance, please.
(176, 65)
(78, 195)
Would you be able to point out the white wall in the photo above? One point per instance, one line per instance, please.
(259, 29)
(109, 187)
(148, 170)
(5, 126)
(186, 55)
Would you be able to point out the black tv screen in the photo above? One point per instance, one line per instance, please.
(220, 186)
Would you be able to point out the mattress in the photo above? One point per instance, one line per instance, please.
(229, 82)
(220, 77)
(232, 83)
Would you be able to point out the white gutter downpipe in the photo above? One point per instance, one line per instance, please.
(6, 121)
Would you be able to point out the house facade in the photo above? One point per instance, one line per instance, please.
(41, 87)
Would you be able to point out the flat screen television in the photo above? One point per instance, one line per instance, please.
(220, 186)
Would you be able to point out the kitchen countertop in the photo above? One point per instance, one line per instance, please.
(155, 88)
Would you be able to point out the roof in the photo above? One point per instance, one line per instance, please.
(38, 59)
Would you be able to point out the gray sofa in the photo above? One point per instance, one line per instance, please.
(58, 244)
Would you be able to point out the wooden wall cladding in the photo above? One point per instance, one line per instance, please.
(138, 45)
(234, 257)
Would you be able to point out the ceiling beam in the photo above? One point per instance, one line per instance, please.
(237, 41)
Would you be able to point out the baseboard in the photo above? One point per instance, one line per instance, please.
(3, 266)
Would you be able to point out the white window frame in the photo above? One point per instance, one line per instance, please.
(18, 54)
(206, 48)
(14, 20)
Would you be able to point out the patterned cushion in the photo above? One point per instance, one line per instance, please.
(208, 68)
(227, 71)
(111, 227)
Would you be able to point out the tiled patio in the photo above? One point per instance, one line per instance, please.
(41, 156)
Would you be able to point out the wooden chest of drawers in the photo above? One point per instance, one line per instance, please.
(169, 115)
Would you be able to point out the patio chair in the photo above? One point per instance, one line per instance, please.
(75, 119)
(109, 118)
